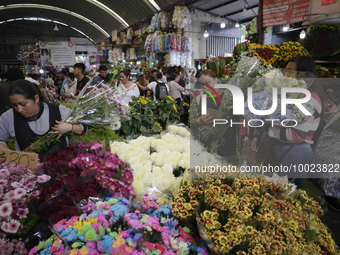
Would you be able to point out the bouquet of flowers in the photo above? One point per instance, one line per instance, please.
(18, 185)
(80, 173)
(157, 162)
(146, 116)
(254, 216)
(48, 91)
(262, 98)
(111, 227)
(97, 106)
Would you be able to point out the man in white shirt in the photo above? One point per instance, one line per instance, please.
(153, 85)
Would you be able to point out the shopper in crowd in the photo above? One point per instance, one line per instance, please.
(181, 81)
(101, 77)
(153, 75)
(232, 136)
(294, 145)
(61, 81)
(32, 117)
(141, 82)
(12, 75)
(158, 87)
(175, 89)
(126, 88)
(82, 80)
(70, 87)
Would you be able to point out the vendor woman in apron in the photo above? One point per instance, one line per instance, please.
(32, 117)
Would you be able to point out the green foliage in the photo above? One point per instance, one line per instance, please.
(10, 144)
(101, 135)
(147, 116)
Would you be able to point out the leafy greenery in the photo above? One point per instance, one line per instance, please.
(10, 144)
(101, 135)
(147, 116)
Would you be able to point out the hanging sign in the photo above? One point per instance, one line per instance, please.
(325, 2)
(280, 12)
(114, 35)
(57, 53)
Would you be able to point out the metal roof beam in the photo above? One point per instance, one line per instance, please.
(240, 11)
(221, 5)
(197, 4)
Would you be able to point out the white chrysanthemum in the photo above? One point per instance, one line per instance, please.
(167, 169)
(184, 163)
(161, 184)
(157, 171)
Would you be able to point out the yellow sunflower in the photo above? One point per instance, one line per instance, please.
(318, 26)
(289, 49)
(285, 43)
(252, 52)
(275, 56)
(283, 53)
(285, 59)
(290, 42)
(256, 55)
(295, 53)
(297, 44)
(293, 48)
(324, 27)
(329, 91)
(279, 58)
(277, 52)
(282, 47)
(312, 28)
(331, 28)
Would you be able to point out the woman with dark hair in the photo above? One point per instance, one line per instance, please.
(141, 82)
(70, 87)
(293, 146)
(175, 89)
(32, 117)
(126, 88)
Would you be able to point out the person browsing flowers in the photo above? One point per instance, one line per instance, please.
(159, 88)
(32, 117)
(126, 88)
(70, 87)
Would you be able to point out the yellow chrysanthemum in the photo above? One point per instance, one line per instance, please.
(143, 102)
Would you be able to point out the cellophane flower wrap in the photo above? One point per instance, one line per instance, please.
(158, 162)
(97, 106)
(250, 215)
(113, 227)
(262, 96)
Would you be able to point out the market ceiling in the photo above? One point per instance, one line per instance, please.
(98, 18)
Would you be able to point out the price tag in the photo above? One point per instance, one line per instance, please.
(30, 160)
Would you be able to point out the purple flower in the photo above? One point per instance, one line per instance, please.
(4, 173)
(43, 178)
(19, 193)
(13, 226)
(96, 146)
(22, 212)
(6, 209)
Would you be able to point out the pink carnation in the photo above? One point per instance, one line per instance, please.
(22, 213)
(4, 173)
(16, 185)
(19, 193)
(6, 209)
(43, 178)
(35, 193)
(13, 226)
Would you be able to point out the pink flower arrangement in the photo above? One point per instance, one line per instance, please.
(17, 185)
(108, 170)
